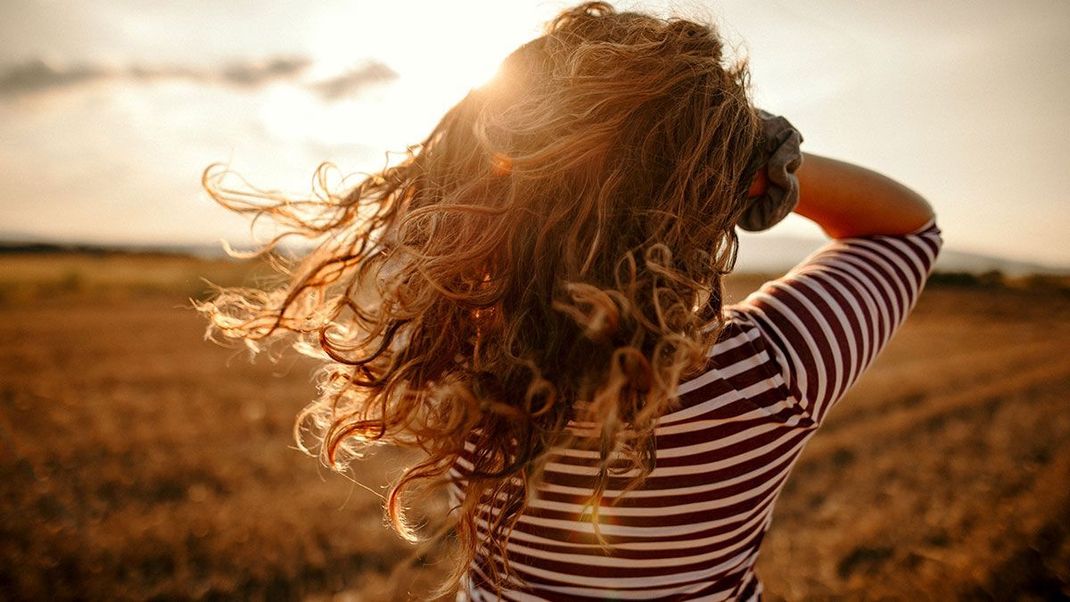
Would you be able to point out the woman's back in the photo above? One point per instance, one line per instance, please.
(529, 296)
(693, 528)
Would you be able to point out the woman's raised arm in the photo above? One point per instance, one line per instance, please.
(848, 201)
(829, 317)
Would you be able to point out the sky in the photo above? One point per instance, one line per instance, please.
(111, 109)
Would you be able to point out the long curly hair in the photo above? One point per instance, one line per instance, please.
(542, 270)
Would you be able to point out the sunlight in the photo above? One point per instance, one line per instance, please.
(450, 47)
(440, 51)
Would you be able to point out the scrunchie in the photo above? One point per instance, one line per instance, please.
(779, 154)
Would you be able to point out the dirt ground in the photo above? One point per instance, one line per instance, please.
(138, 461)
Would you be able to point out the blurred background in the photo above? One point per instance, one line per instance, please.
(138, 461)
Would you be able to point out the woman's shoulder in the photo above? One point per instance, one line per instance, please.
(742, 378)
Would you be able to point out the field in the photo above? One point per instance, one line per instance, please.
(138, 461)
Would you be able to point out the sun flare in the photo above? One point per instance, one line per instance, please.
(439, 54)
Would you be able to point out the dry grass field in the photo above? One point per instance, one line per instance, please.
(139, 462)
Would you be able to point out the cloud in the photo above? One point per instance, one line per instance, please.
(258, 73)
(39, 77)
(350, 83)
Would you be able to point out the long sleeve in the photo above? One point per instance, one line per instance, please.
(827, 319)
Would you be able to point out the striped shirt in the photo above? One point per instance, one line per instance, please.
(692, 530)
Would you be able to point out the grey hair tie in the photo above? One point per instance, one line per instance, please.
(779, 145)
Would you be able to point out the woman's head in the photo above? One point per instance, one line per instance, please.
(552, 252)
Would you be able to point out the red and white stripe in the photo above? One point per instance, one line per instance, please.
(692, 531)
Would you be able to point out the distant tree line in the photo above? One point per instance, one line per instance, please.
(997, 279)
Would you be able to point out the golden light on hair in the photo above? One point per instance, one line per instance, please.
(501, 163)
(551, 254)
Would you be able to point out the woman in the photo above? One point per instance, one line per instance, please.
(533, 298)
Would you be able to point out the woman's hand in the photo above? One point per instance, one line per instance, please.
(759, 185)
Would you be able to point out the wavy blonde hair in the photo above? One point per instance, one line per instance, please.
(550, 255)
